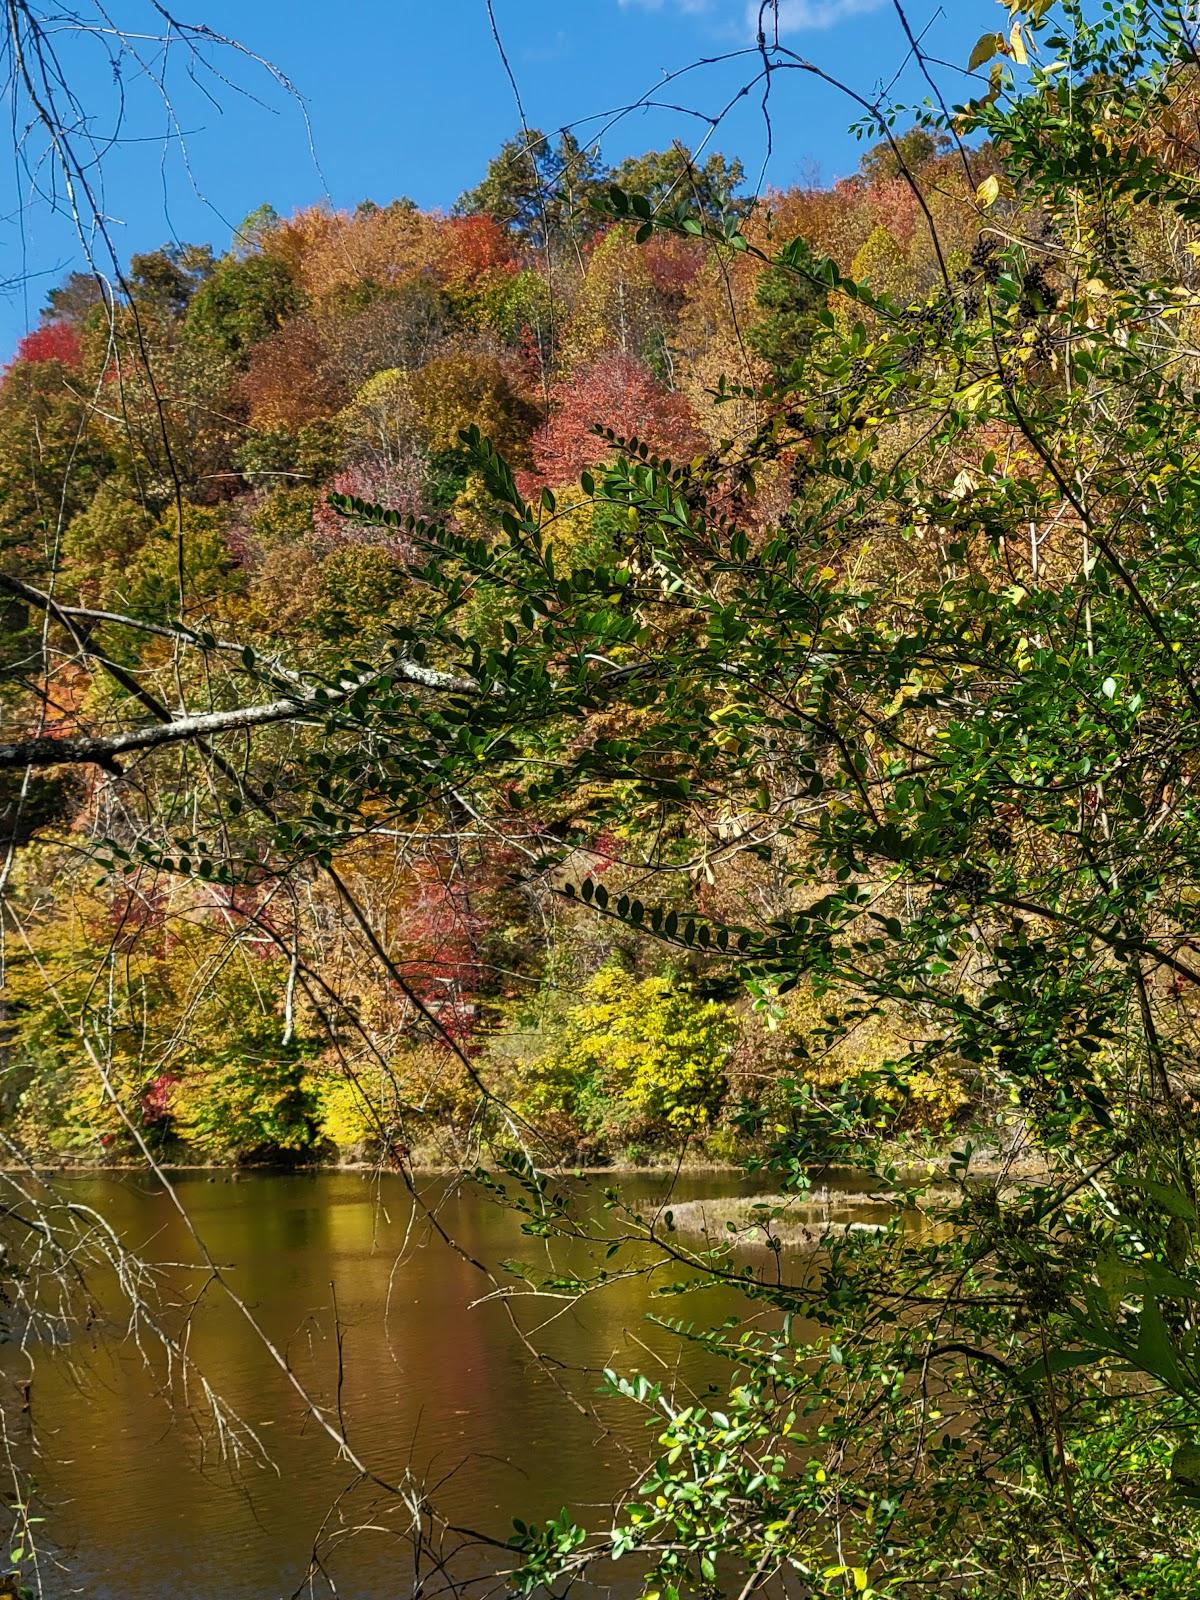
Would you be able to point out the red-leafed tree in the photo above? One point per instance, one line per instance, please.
(53, 341)
(444, 937)
(672, 263)
(612, 391)
(397, 484)
(467, 248)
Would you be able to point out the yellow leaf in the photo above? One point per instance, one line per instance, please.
(975, 394)
(860, 1578)
(986, 47)
(988, 191)
(1017, 45)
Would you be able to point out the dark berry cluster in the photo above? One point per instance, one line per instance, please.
(983, 264)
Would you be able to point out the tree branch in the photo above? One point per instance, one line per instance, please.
(104, 751)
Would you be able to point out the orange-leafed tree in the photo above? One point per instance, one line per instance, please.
(289, 382)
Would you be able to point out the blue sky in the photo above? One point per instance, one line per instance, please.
(410, 97)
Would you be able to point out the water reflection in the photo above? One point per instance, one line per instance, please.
(141, 1502)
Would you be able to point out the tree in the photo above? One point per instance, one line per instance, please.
(462, 387)
(74, 299)
(399, 419)
(671, 177)
(51, 458)
(344, 258)
(176, 427)
(240, 303)
(787, 301)
(378, 326)
(908, 152)
(616, 305)
(473, 247)
(381, 438)
(52, 341)
(536, 188)
(613, 391)
(164, 281)
(882, 264)
(290, 379)
(634, 1056)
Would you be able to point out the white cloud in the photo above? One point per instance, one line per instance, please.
(797, 15)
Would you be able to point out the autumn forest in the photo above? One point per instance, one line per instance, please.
(347, 353)
(599, 852)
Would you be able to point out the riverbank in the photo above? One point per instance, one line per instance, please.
(910, 1168)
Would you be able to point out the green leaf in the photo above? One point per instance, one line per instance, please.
(1171, 1199)
(1185, 1465)
(1155, 1353)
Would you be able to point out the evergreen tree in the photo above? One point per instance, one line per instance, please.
(788, 301)
(538, 188)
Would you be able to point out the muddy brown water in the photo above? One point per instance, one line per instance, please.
(139, 1503)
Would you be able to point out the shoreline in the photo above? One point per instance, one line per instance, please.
(989, 1165)
(314, 1169)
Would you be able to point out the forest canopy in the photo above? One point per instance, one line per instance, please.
(349, 353)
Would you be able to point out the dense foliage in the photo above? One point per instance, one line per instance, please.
(348, 353)
(818, 765)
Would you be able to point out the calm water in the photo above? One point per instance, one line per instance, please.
(140, 1504)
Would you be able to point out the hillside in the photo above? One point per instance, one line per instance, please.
(181, 439)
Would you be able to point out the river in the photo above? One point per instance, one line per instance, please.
(139, 1503)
